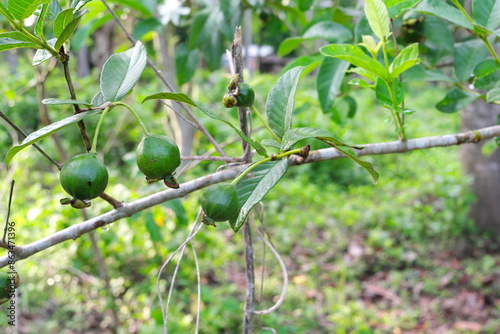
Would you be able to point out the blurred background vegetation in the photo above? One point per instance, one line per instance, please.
(398, 257)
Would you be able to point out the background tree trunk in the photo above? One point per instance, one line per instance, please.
(103, 47)
(485, 170)
(186, 130)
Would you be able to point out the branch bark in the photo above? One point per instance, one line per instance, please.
(237, 55)
(128, 209)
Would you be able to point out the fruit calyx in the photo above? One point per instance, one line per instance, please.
(158, 157)
(219, 203)
(239, 94)
(84, 177)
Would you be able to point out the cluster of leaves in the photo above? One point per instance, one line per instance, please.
(431, 24)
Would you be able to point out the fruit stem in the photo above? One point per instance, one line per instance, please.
(98, 127)
(256, 111)
(260, 162)
(139, 119)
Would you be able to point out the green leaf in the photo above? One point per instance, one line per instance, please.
(98, 100)
(455, 100)
(185, 63)
(440, 40)
(152, 227)
(397, 8)
(121, 72)
(62, 20)
(78, 4)
(330, 75)
(304, 5)
(310, 62)
(441, 9)
(349, 153)
(69, 29)
(407, 58)
(355, 55)
(493, 95)
(327, 30)
(5, 12)
(419, 73)
(353, 106)
(378, 18)
(181, 97)
(360, 83)
(136, 5)
(271, 143)
(64, 101)
(384, 96)
(198, 32)
(55, 8)
(467, 55)
(281, 101)
(42, 55)
(40, 21)
(253, 187)
(485, 68)
(22, 9)
(294, 135)
(143, 27)
(47, 131)
(487, 74)
(14, 39)
(486, 13)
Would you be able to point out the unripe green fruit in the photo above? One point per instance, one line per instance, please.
(8, 283)
(245, 96)
(219, 203)
(84, 176)
(241, 95)
(158, 157)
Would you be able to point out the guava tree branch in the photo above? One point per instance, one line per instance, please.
(128, 209)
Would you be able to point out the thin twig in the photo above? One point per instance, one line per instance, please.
(210, 158)
(283, 270)
(76, 108)
(8, 210)
(24, 135)
(128, 209)
(198, 285)
(164, 310)
(237, 55)
(114, 202)
(197, 124)
(250, 280)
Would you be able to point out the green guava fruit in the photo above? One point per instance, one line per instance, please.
(219, 203)
(241, 95)
(245, 96)
(84, 176)
(8, 283)
(157, 158)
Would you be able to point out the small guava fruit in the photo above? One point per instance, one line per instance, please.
(219, 203)
(158, 157)
(84, 177)
(245, 96)
(240, 95)
(8, 283)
